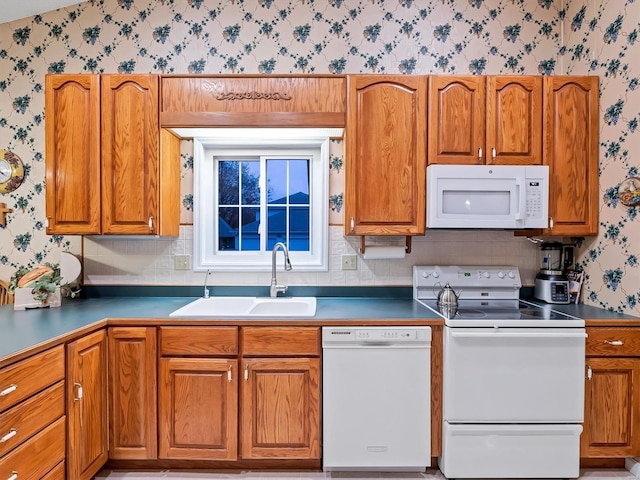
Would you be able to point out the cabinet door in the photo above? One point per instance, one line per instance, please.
(72, 146)
(612, 408)
(457, 119)
(385, 155)
(571, 151)
(281, 408)
(130, 144)
(132, 393)
(514, 120)
(198, 408)
(87, 405)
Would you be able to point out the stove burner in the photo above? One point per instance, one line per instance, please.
(533, 312)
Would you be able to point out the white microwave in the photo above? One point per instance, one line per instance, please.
(487, 196)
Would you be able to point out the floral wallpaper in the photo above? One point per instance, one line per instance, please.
(330, 36)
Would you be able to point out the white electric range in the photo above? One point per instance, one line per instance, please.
(513, 377)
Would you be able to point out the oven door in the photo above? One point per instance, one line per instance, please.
(513, 375)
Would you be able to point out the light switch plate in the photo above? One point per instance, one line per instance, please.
(349, 262)
(182, 262)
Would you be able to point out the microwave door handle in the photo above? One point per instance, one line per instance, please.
(522, 199)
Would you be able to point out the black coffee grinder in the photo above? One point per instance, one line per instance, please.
(551, 285)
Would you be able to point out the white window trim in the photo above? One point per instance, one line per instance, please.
(238, 141)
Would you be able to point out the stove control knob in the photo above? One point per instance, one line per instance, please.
(500, 274)
(512, 275)
(486, 274)
(436, 274)
(425, 274)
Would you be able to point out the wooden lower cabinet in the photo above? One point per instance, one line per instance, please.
(281, 408)
(198, 413)
(612, 408)
(132, 393)
(87, 446)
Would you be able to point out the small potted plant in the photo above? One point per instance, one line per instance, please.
(37, 287)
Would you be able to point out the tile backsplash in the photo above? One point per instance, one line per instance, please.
(126, 261)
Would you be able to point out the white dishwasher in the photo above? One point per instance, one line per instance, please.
(376, 394)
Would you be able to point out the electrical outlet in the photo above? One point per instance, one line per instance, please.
(182, 262)
(349, 262)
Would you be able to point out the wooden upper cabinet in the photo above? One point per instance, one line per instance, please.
(132, 393)
(72, 149)
(457, 119)
(87, 446)
(385, 163)
(495, 120)
(244, 101)
(514, 120)
(130, 154)
(571, 151)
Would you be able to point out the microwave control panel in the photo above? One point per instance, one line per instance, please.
(534, 198)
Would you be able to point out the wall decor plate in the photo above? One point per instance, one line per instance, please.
(629, 192)
(11, 171)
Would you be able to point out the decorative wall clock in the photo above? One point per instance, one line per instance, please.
(11, 171)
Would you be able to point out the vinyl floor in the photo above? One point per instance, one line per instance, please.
(431, 474)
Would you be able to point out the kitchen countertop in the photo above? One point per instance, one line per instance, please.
(30, 331)
(37, 329)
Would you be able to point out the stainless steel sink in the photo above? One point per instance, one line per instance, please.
(248, 307)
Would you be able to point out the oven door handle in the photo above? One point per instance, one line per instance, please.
(502, 334)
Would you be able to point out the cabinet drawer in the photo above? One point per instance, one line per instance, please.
(198, 341)
(613, 341)
(29, 376)
(36, 457)
(280, 341)
(30, 416)
(58, 473)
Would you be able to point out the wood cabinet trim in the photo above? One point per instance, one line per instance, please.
(280, 341)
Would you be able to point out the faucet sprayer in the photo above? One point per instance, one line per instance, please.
(206, 290)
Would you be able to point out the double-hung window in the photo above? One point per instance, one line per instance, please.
(258, 189)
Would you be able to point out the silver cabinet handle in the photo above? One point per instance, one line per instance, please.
(589, 372)
(353, 223)
(12, 433)
(8, 390)
(78, 387)
(151, 223)
(480, 154)
(246, 373)
(229, 377)
(14, 476)
(551, 223)
(493, 153)
(615, 343)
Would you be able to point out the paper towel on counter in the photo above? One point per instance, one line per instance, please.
(383, 252)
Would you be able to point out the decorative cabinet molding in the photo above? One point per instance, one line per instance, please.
(246, 101)
(385, 164)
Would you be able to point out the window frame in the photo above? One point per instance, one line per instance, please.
(269, 142)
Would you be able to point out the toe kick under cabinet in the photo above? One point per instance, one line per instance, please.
(32, 417)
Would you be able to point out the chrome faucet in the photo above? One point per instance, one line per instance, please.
(206, 290)
(274, 289)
